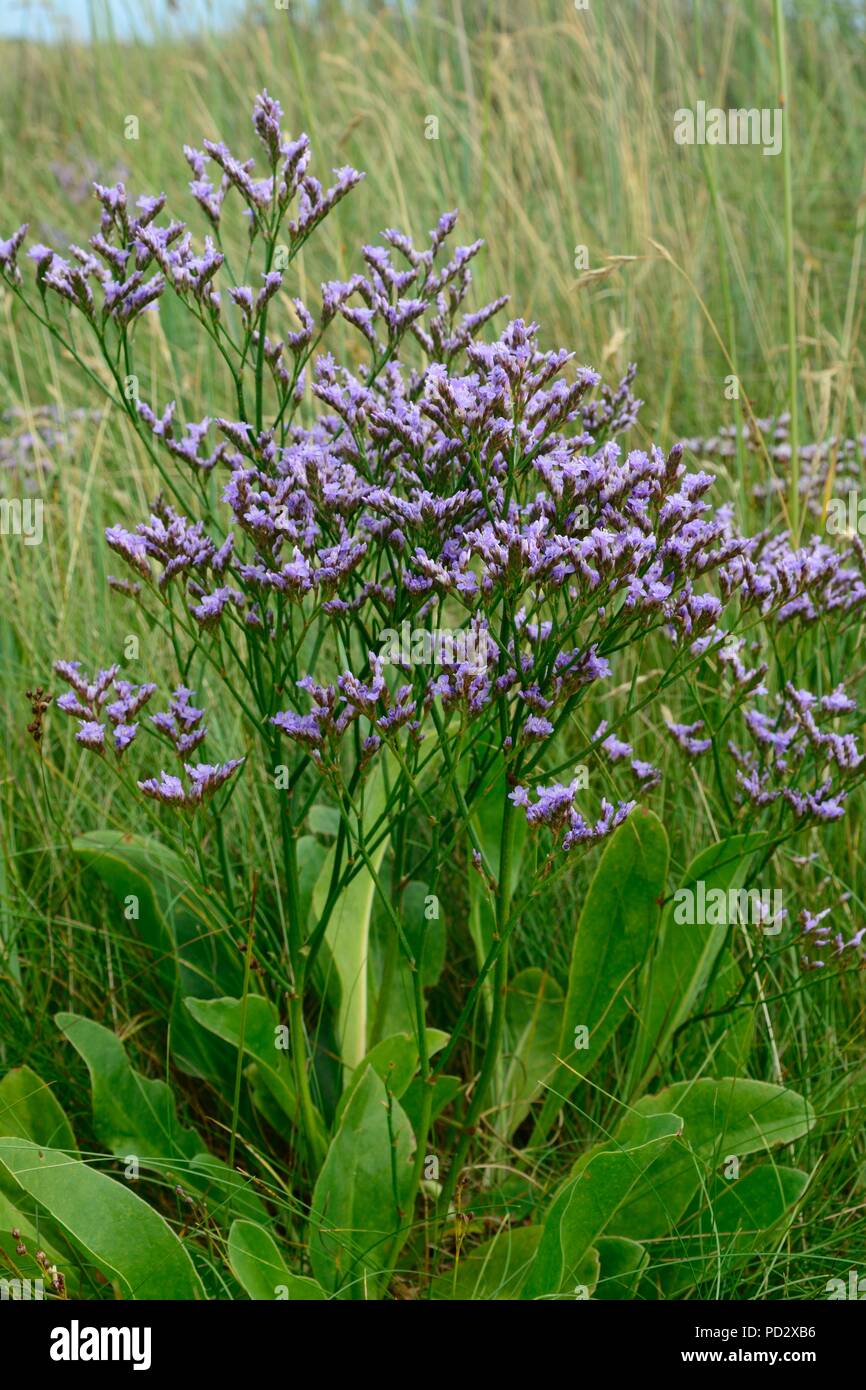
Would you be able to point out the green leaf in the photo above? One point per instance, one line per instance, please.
(495, 1270)
(359, 1201)
(686, 953)
(614, 935)
(498, 1269)
(587, 1203)
(126, 1239)
(267, 1107)
(425, 938)
(487, 816)
(731, 1224)
(347, 937)
(445, 1088)
(425, 934)
(258, 1265)
(35, 1234)
(261, 1029)
(621, 1263)
(324, 820)
(29, 1109)
(131, 1114)
(311, 856)
(187, 941)
(395, 1061)
(135, 1116)
(721, 1118)
(533, 1022)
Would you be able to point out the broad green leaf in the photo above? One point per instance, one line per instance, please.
(621, 1263)
(135, 1116)
(487, 817)
(731, 1224)
(587, 1203)
(686, 954)
(29, 1108)
(347, 936)
(498, 1269)
(495, 1270)
(614, 935)
(311, 856)
(35, 1235)
(264, 1102)
(721, 1118)
(187, 940)
(533, 1022)
(359, 1202)
(258, 1265)
(131, 1113)
(487, 814)
(259, 1025)
(324, 820)
(445, 1089)
(125, 1238)
(395, 1060)
(424, 932)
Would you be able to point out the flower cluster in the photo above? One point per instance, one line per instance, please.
(203, 779)
(452, 476)
(555, 807)
(795, 746)
(817, 937)
(769, 439)
(86, 700)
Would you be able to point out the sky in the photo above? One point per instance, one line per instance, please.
(47, 19)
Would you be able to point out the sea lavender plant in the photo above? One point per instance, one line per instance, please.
(446, 477)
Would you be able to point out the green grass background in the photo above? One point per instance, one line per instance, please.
(555, 131)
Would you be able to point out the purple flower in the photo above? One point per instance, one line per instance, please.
(684, 734)
(537, 728)
(92, 735)
(555, 808)
(9, 254)
(182, 722)
(646, 774)
(123, 736)
(167, 788)
(204, 780)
